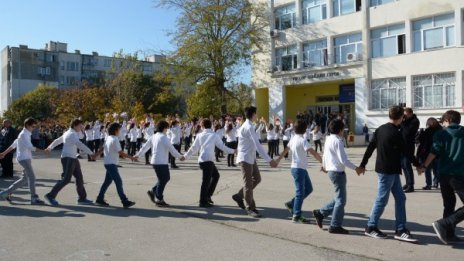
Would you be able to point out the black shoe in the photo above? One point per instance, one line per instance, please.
(151, 196)
(405, 187)
(128, 204)
(338, 230)
(254, 213)
(319, 217)
(233, 165)
(441, 231)
(409, 190)
(427, 188)
(174, 167)
(405, 235)
(6, 177)
(454, 240)
(102, 203)
(239, 201)
(210, 201)
(300, 219)
(206, 205)
(435, 186)
(162, 204)
(374, 232)
(289, 207)
(119, 166)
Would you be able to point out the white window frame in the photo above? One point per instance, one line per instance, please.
(294, 56)
(278, 18)
(373, 3)
(396, 36)
(447, 90)
(324, 54)
(321, 4)
(434, 27)
(393, 84)
(339, 4)
(358, 47)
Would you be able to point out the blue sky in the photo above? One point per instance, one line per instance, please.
(105, 26)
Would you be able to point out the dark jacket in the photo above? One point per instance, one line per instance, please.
(8, 137)
(409, 129)
(425, 141)
(448, 144)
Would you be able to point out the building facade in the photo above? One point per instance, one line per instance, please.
(24, 68)
(360, 57)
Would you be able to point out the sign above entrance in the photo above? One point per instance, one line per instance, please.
(318, 75)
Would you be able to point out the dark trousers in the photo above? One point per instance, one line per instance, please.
(407, 171)
(112, 174)
(71, 167)
(7, 165)
(139, 143)
(210, 180)
(231, 157)
(277, 147)
(132, 148)
(147, 157)
(97, 144)
(172, 159)
(187, 141)
(91, 145)
(123, 144)
(270, 148)
(450, 186)
(318, 143)
(163, 174)
(285, 146)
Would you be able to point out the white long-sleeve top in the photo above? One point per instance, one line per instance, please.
(160, 146)
(133, 135)
(175, 134)
(123, 131)
(139, 133)
(334, 158)
(206, 142)
(231, 136)
(71, 142)
(220, 132)
(23, 145)
(248, 144)
(288, 133)
(299, 146)
(271, 134)
(96, 131)
(188, 130)
(148, 132)
(89, 135)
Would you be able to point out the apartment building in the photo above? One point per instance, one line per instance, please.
(360, 57)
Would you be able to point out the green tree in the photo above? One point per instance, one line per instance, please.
(214, 40)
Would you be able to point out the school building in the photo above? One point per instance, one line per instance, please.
(360, 57)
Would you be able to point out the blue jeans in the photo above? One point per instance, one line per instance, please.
(407, 171)
(163, 174)
(303, 188)
(112, 174)
(434, 166)
(336, 207)
(387, 184)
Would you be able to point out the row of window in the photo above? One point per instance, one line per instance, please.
(314, 11)
(68, 80)
(429, 33)
(429, 91)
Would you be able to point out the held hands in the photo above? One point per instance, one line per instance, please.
(135, 158)
(2, 155)
(360, 171)
(274, 164)
(93, 157)
(323, 170)
(182, 158)
(420, 170)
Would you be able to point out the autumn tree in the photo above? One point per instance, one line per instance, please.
(214, 39)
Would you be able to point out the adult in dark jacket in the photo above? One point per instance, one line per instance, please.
(409, 129)
(425, 141)
(7, 137)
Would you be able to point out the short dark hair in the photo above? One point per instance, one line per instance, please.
(300, 127)
(162, 125)
(249, 111)
(113, 128)
(408, 110)
(75, 122)
(173, 123)
(336, 126)
(206, 123)
(452, 117)
(29, 122)
(396, 113)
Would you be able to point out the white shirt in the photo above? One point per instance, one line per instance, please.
(23, 145)
(317, 135)
(188, 130)
(307, 134)
(123, 131)
(160, 148)
(334, 158)
(299, 147)
(89, 135)
(96, 131)
(231, 136)
(139, 133)
(71, 143)
(220, 132)
(248, 144)
(175, 134)
(148, 132)
(133, 135)
(111, 149)
(206, 142)
(288, 133)
(271, 134)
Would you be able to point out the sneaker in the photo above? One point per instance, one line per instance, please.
(151, 196)
(84, 202)
(239, 201)
(128, 204)
(35, 200)
(405, 187)
(374, 232)
(5, 196)
(440, 230)
(210, 201)
(254, 213)
(409, 190)
(102, 202)
(206, 205)
(51, 200)
(300, 219)
(405, 235)
(289, 206)
(319, 217)
(162, 204)
(427, 188)
(338, 230)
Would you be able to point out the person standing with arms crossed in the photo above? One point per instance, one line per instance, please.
(248, 145)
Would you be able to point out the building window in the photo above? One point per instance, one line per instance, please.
(388, 41)
(434, 90)
(62, 65)
(61, 80)
(72, 66)
(387, 92)
(434, 32)
(314, 11)
(285, 17)
(315, 54)
(348, 48)
(343, 7)
(286, 58)
(107, 62)
(380, 2)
